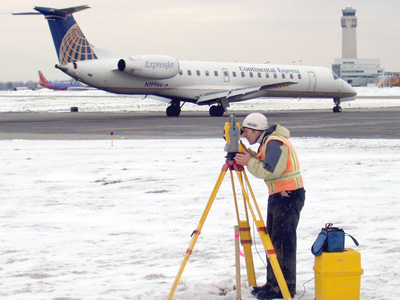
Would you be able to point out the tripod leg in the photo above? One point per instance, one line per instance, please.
(265, 238)
(273, 259)
(245, 238)
(237, 264)
(196, 233)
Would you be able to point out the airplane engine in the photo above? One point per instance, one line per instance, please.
(150, 66)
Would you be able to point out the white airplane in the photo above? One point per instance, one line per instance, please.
(176, 81)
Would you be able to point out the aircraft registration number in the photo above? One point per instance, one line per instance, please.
(154, 84)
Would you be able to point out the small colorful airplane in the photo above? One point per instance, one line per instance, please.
(67, 85)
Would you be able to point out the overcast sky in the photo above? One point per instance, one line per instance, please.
(258, 31)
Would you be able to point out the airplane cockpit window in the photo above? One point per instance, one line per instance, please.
(335, 76)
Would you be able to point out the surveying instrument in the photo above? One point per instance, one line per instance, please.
(232, 133)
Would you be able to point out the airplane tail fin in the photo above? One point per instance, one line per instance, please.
(70, 42)
(43, 80)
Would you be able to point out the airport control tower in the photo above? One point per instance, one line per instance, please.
(355, 71)
(349, 39)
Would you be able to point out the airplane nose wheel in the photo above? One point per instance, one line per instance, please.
(337, 108)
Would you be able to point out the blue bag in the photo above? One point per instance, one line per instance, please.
(330, 239)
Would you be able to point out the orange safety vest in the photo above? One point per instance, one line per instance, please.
(291, 178)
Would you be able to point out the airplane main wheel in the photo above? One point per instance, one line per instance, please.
(173, 111)
(216, 111)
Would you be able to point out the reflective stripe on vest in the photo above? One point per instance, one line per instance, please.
(291, 178)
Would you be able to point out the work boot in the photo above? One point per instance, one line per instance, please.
(256, 289)
(269, 295)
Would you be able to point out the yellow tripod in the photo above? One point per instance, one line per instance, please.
(244, 228)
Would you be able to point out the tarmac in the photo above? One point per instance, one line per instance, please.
(371, 123)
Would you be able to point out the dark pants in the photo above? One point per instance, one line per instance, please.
(282, 219)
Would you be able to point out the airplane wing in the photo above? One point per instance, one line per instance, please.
(238, 94)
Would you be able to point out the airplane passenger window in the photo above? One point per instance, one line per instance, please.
(275, 76)
(243, 74)
(251, 74)
(189, 72)
(267, 75)
(180, 72)
(259, 75)
(299, 76)
(216, 73)
(207, 73)
(291, 76)
(283, 76)
(234, 74)
(198, 73)
(226, 73)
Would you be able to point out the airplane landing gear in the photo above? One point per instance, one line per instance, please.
(337, 108)
(174, 110)
(216, 111)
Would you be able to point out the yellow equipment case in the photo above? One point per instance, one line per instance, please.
(338, 275)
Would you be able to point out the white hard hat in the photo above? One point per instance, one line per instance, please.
(255, 121)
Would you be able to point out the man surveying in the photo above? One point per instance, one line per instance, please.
(276, 162)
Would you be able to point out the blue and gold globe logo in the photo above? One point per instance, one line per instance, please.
(75, 47)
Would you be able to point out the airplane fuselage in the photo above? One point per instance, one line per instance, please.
(197, 78)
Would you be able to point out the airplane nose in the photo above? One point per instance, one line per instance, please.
(351, 90)
(348, 89)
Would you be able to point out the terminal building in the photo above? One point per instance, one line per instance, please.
(356, 71)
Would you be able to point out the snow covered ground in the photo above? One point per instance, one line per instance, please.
(88, 220)
(45, 100)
